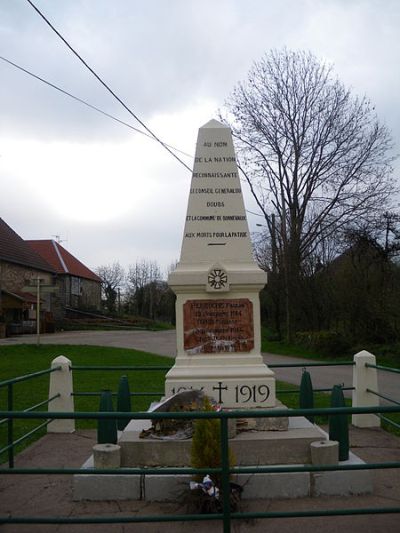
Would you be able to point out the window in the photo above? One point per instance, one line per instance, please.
(76, 286)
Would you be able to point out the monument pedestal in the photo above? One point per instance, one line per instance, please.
(251, 448)
(231, 385)
(218, 339)
(217, 284)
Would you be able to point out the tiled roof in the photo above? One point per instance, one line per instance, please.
(14, 249)
(24, 296)
(61, 260)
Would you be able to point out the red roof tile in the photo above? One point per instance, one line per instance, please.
(26, 296)
(14, 249)
(61, 260)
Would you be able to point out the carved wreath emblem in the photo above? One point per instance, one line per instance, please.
(217, 278)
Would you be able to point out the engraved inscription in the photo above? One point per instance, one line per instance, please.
(240, 392)
(217, 326)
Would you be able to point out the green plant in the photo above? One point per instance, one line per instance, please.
(206, 445)
(324, 342)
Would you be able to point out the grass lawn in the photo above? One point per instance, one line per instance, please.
(24, 359)
(386, 354)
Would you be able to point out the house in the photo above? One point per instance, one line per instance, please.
(79, 287)
(69, 284)
(20, 267)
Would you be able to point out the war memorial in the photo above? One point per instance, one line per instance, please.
(218, 334)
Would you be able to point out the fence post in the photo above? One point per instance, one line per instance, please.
(106, 427)
(61, 384)
(10, 426)
(225, 485)
(338, 424)
(365, 378)
(306, 398)
(123, 401)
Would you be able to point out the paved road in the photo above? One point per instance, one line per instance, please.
(159, 342)
(164, 343)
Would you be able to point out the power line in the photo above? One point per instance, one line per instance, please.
(80, 100)
(106, 86)
(253, 213)
(63, 91)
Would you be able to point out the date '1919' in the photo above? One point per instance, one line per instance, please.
(254, 393)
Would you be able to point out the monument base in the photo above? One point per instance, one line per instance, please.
(253, 448)
(240, 386)
(249, 447)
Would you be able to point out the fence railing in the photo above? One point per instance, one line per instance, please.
(61, 394)
(224, 470)
(365, 391)
(9, 385)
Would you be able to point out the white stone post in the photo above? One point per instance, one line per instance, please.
(365, 378)
(61, 383)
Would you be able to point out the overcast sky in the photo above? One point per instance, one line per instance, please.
(112, 194)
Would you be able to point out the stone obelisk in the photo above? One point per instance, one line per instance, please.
(217, 284)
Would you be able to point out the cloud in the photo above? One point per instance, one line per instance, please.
(64, 169)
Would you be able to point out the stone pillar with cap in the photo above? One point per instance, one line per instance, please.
(217, 284)
(61, 389)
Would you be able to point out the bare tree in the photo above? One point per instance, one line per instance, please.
(112, 278)
(315, 157)
(143, 280)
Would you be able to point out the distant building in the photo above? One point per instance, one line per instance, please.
(21, 264)
(79, 287)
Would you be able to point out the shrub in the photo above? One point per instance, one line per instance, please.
(324, 342)
(206, 445)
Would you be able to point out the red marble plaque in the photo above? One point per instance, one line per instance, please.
(214, 326)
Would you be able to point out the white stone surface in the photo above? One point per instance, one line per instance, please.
(98, 487)
(249, 447)
(325, 452)
(166, 488)
(365, 378)
(337, 483)
(216, 265)
(101, 487)
(216, 229)
(61, 383)
(280, 485)
(241, 392)
(107, 455)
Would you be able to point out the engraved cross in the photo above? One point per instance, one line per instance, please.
(220, 388)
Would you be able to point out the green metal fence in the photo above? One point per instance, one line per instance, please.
(376, 393)
(226, 516)
(9, 385)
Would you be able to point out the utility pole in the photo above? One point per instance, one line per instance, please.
(38, 311)
(40, 288)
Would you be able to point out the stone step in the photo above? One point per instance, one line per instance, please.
(171, 488)
(291, 447)
(249, 447)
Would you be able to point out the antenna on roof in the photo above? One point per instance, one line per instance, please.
(58, 239)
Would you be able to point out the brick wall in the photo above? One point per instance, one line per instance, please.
(15, 277)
